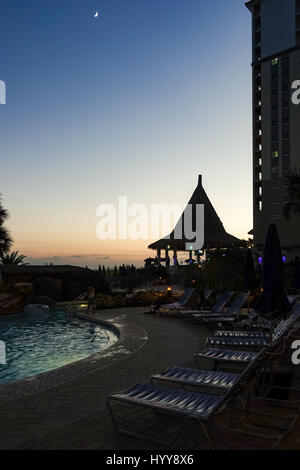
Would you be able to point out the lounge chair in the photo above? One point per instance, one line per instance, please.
(202, 408)
(216, 309)
(175, 306)
(191, 406)
(207, 293)
(224, 380)
(195, 377)
(230, 316)
(250, 339)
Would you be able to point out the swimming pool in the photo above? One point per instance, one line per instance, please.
(37, 343)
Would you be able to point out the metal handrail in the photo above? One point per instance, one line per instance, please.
(71, 304)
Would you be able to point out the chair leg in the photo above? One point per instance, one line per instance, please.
(158, 441)
(206, 434)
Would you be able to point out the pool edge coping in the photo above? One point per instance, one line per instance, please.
(131, 338)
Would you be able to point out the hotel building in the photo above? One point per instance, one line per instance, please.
(276, 120)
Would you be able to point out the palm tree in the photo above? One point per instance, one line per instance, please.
(293, 206)
(5, 237)
(12, 258)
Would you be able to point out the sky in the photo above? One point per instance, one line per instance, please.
(136, 103)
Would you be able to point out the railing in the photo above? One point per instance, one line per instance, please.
(72, 304)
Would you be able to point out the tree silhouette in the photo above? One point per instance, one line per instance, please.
(5, 238)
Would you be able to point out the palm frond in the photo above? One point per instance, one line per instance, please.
(6, 240)
(12, 258)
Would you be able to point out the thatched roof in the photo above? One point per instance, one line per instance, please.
(214, 233)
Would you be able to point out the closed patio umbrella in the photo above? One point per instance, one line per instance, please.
(273, 299)
(296, 272)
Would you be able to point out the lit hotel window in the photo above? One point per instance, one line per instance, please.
(274, 61)
(275, 154)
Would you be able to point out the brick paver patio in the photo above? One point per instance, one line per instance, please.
(75, 415)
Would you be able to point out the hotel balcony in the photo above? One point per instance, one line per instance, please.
(258, 138)
(257, 91)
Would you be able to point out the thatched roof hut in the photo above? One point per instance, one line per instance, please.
(215, 234)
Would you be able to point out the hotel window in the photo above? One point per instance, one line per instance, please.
(275, 170)
(285, 183)
(286, 198)
(275, 200)
(274, 92)
(275, 185)
(274, 76)
(285, 88)
(274, 123)
(285, 104)
(275, 154)
(274, 61)
(285, 119)
(285, 135)
(275, 138)
(285, 154)
(274, 107)
(285, 73)
(275, 216)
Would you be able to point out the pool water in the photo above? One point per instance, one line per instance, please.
(37, 343)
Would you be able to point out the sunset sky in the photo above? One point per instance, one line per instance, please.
(137, 102)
